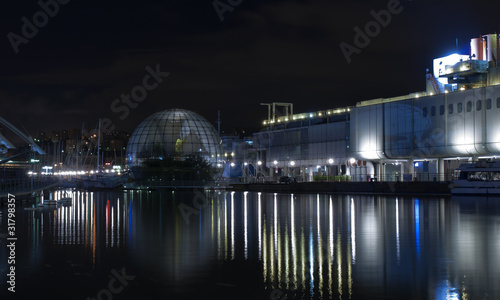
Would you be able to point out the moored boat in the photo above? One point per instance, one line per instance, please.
(103, 181)
(480, 178)
(50, 202)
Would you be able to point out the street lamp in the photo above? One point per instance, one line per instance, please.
(292, 164)
(230, 165)
(259, 163)
(245, 164)
(330, 161)
(352, 160)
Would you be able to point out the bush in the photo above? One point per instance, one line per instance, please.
(187, 168)
(337, 178)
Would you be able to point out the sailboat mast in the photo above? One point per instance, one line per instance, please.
(78, 147)
(98, 144)
(218, 122)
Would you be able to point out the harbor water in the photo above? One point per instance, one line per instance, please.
(250, 245)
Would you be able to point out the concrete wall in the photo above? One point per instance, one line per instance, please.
(460, 124)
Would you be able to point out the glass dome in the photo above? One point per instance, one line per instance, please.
(174, 136)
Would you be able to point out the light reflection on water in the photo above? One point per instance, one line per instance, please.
(268, 245)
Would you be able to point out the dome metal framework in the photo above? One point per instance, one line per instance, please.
(174, 134)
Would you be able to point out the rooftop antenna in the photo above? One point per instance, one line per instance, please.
(457, 44)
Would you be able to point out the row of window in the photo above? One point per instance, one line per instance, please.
(468, 107)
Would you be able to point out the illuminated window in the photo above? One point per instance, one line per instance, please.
(478, 105)
(488, 103)
(433, 111)
(459, 107)
(450, 109)
(469, 106)
(441, 110)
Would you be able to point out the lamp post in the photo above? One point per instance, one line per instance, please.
(230, 169)
(245, 166)
(330, 161)
(352, 161)
(259, 163)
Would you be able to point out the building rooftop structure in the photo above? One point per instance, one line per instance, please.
(428, 132)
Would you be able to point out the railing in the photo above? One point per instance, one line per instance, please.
(425, 177)
(25, 184)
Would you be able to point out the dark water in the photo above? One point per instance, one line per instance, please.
(226, 245)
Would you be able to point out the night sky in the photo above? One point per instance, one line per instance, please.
(89, 53)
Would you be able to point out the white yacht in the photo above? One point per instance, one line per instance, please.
(103, 181)
(480, 178)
